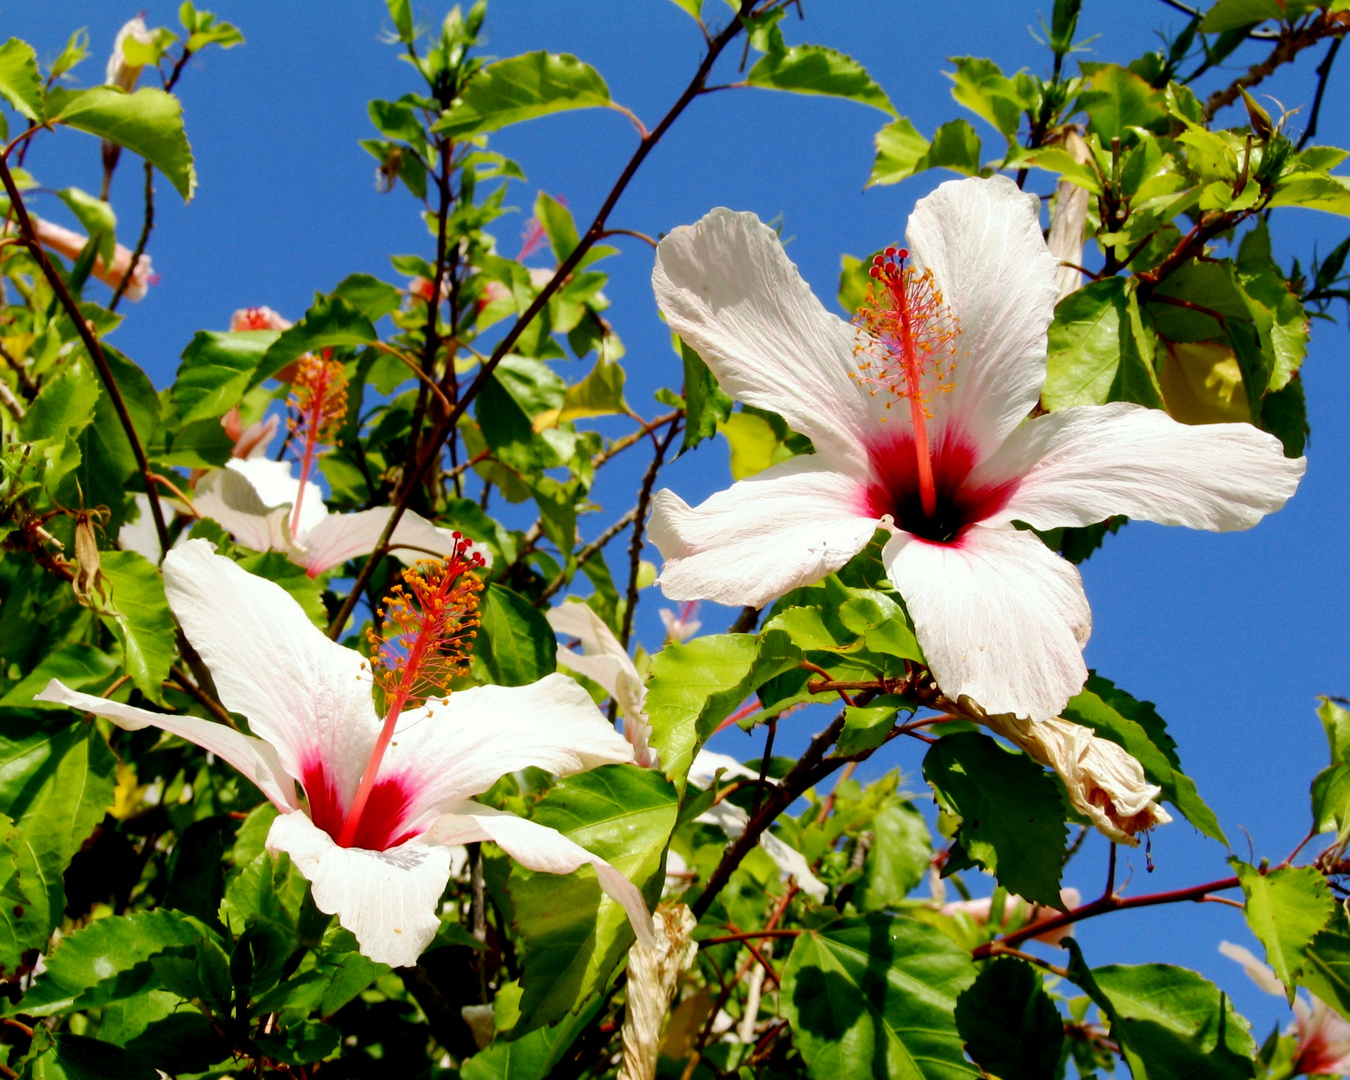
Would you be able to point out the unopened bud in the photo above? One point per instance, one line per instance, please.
(121, 71)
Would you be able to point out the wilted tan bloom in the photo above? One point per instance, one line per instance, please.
(1014, 907)
(1102, 780)
(1066, 230)
(653, 975)
(121, 72)
(68, 243)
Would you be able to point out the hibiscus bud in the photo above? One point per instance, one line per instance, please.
(258, 318)
(653, 976)
(1015, 907)
(69, 244)
(121, 71)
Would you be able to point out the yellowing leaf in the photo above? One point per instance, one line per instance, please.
(1202, 383)
(752, 442)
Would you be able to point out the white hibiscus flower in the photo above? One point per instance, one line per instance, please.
(956, 339)
(385, 798)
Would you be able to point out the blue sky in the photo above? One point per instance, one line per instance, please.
(1233, 636)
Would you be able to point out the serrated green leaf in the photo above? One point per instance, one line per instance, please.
(216, 370)
(599, 394)
(76, 664)
(96, 217)
(558, 225)
(981, 86)
(902, 151)
(696, 685)
(815, 69)
(1012, 819)
(1326, 967)
(20, 80)
(1114, 715)
(1286, 907)
(1236, 14)
(1010, 1026)
(1171, 1023)
(706, 406)
(534, 1055)
(875, 996)
(897, 860)
(77, 1057)
(369, 295)
(331, 322)
(1116, 100)
(148, 122)
(1097, 350)
(397, 121)
(573, 934)
(138, 613)
(107, 961)
(522, 88)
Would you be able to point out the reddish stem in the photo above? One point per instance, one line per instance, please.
(313, 422)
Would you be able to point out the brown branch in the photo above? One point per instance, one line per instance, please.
(147, 224)
(205, 700)
(1323, 72)
(1290, 43)
(540, 302)
(811, 767)
(639, 527)
(621, 444)
(1100, 907)
(91, 345)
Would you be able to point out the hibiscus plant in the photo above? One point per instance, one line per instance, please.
(328, 744)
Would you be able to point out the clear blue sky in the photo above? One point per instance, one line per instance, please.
(1233, 636)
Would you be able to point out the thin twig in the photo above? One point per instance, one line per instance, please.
(1323, 71)
(628, 232)
(147, 224)
(1289, 44)
(433, 448)
(91, 345)
(639, 525)
(184, 682)
(586, 553)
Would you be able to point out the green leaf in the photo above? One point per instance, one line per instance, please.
(902, 151)
(815, 69)
(217, 368)
(1012, 819)
(752, 441)
(107, 961)
(866, 726)
(331, 322)
(148, 122)
(522, 88)
(56, 783)
(1171, 1023)
(77, 1057)
(369, 295)
(696, 685)
(898, 859)
(1237, 14)
(558, 225)
(693, 8)
(96, 217)
(1114, 715)
(534, 1055)
(1010, 1026)
(599, 394)
(574, 935)
(1094, 353)
(515, 645)
(398, 121)
(1326, 967)
(139, 615)
(875, 996)
(76, 664)
(981, 87)
(706, 406)
(1116, 100)
(20, 80)
(1286, 907)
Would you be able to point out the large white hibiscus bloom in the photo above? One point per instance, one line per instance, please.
(958, 342)
(308, 701)
(253, 499)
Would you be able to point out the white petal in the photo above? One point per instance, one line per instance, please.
(1259, 973)
(783, 528)
(731, 819)
(387, 899)
(982, 240)
(607, 663)
(708, 762)
(227, 498)
(1001, 618)
(308, 696)
(339, 537)
(277, 485)
(454, 750)
(728, 289)
(543, 849)
(140, 535)
(257, 760)
(1083, 464)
